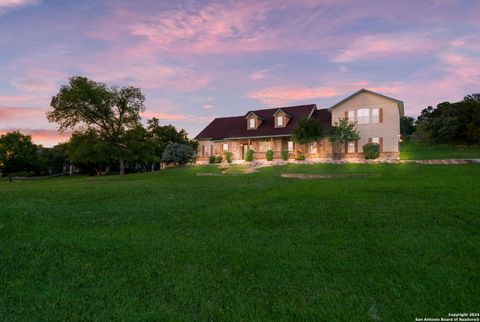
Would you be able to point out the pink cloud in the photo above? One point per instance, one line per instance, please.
(385, 46)
(17, 117)
(282, 95)
(23, 100)
(45, 137)
(7, 5)
(164, 116)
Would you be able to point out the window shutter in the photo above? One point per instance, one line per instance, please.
(211, 150)
(381, 144)
(346, 147)
(356, 146)
(346, 115)
(203, 150)
(369, 140)
(380, 115)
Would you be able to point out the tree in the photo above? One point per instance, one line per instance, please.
(17, 153)
(164, 135)
(178, 153)
(457, 122)
(140, 148)
(307, 131)
(87, 149)
(84, 104)
(342, 132)
(407, 126)
(52, 160)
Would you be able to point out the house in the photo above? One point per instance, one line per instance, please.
(377, 117)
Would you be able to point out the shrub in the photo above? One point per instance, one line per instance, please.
(212, 159)
(284, 155)
(300, 157)
(218, 159)
(269, 155)
(178, 153)
(228, 156)
(249, 155)
(371, 150)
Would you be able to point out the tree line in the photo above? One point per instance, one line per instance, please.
(107, 135)
(454, 123)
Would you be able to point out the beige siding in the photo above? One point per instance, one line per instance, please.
(389, 129)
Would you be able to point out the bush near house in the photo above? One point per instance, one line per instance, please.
(212, 159)
(284, 155)
(269, 155)
(249, 155)
(371, 150)
(228, 156)
(300, 157)
(218, 159)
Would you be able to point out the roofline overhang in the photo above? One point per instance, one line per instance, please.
(258, 117)
(280, 109)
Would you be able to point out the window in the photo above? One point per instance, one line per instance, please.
(279, 120)
(263, 146)
(313, 148)
(376, 140)
(376, 115)
(351, 147)
(290, 146)
(363, 116)
(351, 116)
(225, 146)
(206, 150)
(252, 123)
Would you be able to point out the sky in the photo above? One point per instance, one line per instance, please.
(197, 60)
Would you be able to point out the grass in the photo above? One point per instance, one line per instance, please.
(401, 243)
(417, 151)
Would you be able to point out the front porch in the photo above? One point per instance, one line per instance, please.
(238, 147)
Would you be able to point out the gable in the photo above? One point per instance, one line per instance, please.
(365, 97)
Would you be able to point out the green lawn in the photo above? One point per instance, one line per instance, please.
(399, 244)
(416, 151)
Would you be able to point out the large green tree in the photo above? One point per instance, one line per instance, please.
(17, 153)
(84, 104)
(342, 132)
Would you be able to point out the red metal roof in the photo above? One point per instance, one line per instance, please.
(236, 126)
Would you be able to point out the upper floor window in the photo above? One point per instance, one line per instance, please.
(363, 116)
(279, 120)
(375, 115)
(351, 116)
(252, 123)
(225, 146)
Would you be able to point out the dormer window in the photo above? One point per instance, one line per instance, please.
(281, 118)
(280, 121)
(252, 123)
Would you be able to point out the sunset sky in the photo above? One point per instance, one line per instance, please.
(196, 60)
